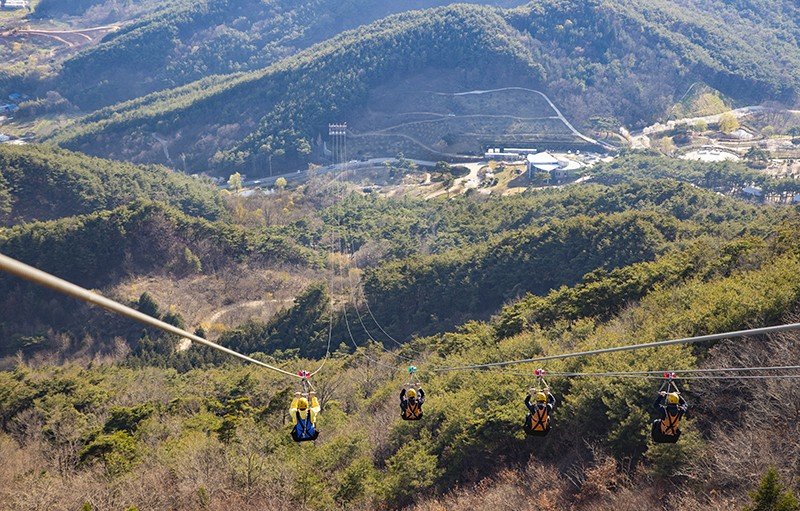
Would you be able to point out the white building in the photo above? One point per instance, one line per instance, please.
(558, 168)
(753, 192)
(15, 4)
(543, 162)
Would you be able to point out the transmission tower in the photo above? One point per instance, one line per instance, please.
(337, 134)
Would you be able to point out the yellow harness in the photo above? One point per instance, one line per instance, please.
(670, 424)
(413, 410)
(540, 419)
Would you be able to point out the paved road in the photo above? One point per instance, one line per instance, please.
(546, 98)
(299, 175)
(642, 139)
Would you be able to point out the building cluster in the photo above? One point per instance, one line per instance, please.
(15, 4)
(14, 99)
(560, 169)
(6, 111)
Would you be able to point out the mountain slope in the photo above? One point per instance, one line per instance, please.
(186, 41)
(42, 183)
(108, 421)
(628, 60)
(280, 109)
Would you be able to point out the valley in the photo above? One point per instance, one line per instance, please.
(235, 235)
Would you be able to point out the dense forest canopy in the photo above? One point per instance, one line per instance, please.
(41, 183)
(108, 422)
(185, 41)
(361, 273)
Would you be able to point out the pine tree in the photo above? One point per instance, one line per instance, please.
(771, 495)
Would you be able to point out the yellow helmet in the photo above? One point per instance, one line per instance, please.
(412, 394)
(672, 398)
(541, 397)
(302, 403)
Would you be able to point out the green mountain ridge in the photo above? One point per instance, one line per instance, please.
(582, 53)
(41, 183)
(188, 40)
(290, 99)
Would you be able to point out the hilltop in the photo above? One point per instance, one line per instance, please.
(184, 41)
(42, 183)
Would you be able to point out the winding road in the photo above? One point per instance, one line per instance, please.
(69, 38)
(546, 98)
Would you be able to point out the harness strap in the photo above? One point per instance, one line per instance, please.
(669, 425)
(413, 410)
(541, 416)
(303, 423)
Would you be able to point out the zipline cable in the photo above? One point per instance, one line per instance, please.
(356, 346)
(330, 287)
(679, 372)
(630, 347)
(45, 279)
(653, 376)
(696, 377)
(342, 151)
(375, 320)
(361, 319)
(369, 334)
(333, 312)
(328, 350)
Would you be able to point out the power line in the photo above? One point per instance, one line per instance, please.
(361, 319)
(631, 347)
(45, 279)
(699, 374)
(681, 371)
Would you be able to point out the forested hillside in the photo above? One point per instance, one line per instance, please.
(217, 435)
(290, 102)
(98, 413)
(93, 11)
(104, 248)
(40, 183)
(185, 41)
(362, 279)
(579, 52)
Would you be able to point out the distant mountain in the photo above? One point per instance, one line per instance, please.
(188, 40)
(631, 60)
(279, 109)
